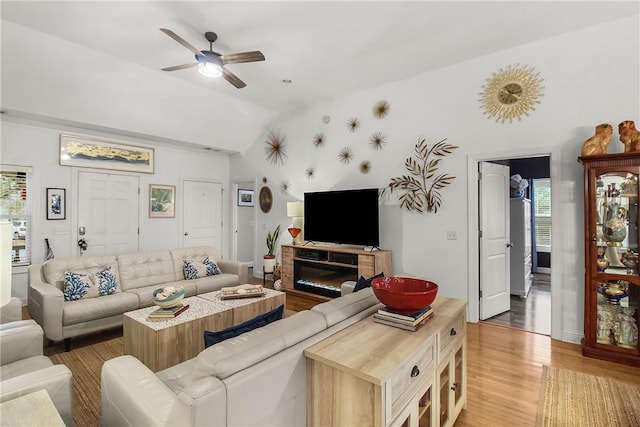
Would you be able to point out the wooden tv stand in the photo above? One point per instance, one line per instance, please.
(320, 270)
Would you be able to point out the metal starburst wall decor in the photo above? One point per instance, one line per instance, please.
(377, 140)
(318, 140)
(381, 109)
(420, 190)
(276, 147)
(353, 124)
(345, 155)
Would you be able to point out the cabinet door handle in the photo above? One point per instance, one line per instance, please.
(454, 386)
(453, 332)
(415, 372)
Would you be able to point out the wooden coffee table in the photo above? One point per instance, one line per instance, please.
(164, 343)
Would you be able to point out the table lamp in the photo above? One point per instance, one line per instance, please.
(295, 210)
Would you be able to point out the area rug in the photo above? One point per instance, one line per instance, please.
(569, 398)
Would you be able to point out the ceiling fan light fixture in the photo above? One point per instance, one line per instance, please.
(209, 69)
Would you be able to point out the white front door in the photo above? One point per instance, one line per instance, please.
(494, 239)
(108, 206)
(202, 208)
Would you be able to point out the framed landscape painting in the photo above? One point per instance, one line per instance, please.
(245, 198)
(84, 152)
(162, 201)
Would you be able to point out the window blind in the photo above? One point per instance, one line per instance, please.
(15, 207)
(542, 211)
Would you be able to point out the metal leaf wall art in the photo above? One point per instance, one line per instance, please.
(420, 189)
(276, 149)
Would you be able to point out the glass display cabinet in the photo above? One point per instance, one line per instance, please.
(612, 281)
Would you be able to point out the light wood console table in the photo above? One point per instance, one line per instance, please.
(371, 374)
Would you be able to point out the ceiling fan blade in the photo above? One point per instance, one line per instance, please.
(232, 78)
(180, 67)
(182, 41)
(236, 58)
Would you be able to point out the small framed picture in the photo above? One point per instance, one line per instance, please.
(56, 203)
(245, 198)
(162, 201)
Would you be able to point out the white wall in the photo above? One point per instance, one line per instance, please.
(37, 145)
(590, 77)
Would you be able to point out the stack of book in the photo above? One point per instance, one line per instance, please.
(167, 313)
(410, 322)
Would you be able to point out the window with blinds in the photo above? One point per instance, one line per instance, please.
(15, 207)
(542, 213)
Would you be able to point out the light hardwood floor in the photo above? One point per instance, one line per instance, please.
(504, 372)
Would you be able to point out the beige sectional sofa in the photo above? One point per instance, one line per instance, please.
(137, 274)
(255, 379)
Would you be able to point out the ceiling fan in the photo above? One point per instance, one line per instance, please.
(211, 63)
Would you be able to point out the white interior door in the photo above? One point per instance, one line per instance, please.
(108, 206)
(202, 207)
(244, 230)
(494, 239)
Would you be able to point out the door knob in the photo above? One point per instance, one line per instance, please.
(186, 233)
(509, 245)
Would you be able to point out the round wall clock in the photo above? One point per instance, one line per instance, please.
(266, 199)
(511, 93)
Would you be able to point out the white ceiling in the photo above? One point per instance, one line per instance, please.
(327, 48)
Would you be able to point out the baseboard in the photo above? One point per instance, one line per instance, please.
(572, 337)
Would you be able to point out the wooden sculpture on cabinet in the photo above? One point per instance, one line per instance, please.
(599, 142)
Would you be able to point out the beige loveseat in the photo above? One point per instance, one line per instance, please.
(255, 379)
(137, 274)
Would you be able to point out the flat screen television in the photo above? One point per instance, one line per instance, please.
(345, 216)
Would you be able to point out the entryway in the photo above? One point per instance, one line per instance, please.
(107, 213)
(535, 312)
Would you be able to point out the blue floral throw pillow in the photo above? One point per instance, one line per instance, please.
(196, 270)
(90, 283)
(76, 285)
(107, 283)
(212, 267)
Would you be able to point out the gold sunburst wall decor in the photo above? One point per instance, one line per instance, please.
(276, 147)
(353, 124)
(318, 140)
(284, 187)
(345, 155)
(381, 109)
(511, 93)
(377, 140)
(365, 166)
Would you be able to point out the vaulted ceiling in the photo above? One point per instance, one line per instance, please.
(324, 48)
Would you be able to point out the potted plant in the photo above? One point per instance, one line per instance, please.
(269, 261)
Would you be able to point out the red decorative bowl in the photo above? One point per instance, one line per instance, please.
(404, 294)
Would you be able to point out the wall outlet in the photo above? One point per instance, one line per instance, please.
(452, 235)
